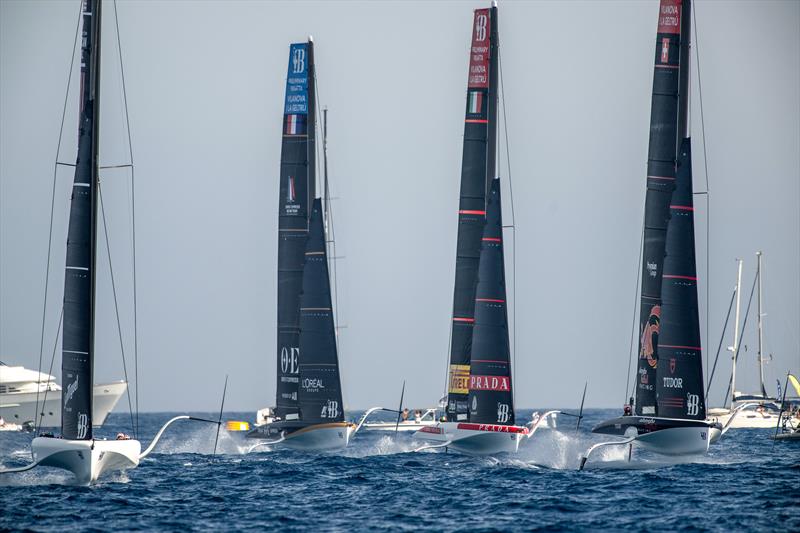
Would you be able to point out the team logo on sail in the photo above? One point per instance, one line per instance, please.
(503, 413)
(672, 363)
(481, 21)
(290, 192)
(289, 360)
(692, 404)
(71, 391)
(330, 409)
(298, 61)
(83, 425)
(649, 340)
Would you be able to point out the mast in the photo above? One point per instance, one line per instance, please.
(320, 392)
(679, 373)
(735, 348)
(760, 332)
(477, 169)
(77, 363)
(661, 173)
(491, 400)
(297, 184)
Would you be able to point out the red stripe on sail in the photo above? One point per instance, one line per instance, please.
(675, 276)
(463, 319)
(493, 300)
(682, 207)
(471, 212)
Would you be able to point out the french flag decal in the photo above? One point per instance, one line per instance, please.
(295, 124)
(475, 102)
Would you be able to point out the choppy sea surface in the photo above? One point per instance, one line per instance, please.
(745, 483)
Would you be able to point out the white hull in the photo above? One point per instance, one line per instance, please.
(87, 459)
(402, 426)
(19, 408)
(320, 437)
(746, 419)
(676, 441)
(475, 439)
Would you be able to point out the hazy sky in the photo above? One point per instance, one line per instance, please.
(205, 84)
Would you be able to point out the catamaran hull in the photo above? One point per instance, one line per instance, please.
(21, 407)
(321, 437)
(86, 459)
(666, 436)
(474, 439)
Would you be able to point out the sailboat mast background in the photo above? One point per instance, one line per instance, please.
(80, 276)
(477, 168)
(665, 131)
(297, 183)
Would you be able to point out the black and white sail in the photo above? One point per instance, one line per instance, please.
(671, 46)
(77, 361)
(679, 385)
(490, 397)
(320, 392)
(477, 168)
(297, 179)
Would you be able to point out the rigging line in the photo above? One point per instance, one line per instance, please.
(739, 346)
(719, 348)
(52, 208)
(133, 222)
(705, 168)
(513, 218)
(635, 304)
(59, 163)
(38, 426)
(116, 306)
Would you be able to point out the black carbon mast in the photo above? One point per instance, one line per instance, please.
(297, 180)
(77, 363)
(477, 170)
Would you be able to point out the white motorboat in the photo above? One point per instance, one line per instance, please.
(22, 388)
(426, 419)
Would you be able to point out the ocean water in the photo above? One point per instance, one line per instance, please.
(745, 483)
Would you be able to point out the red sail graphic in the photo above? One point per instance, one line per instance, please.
(669, 17)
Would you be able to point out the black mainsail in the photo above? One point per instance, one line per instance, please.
(679, 388)
(320, 392)
(671, 46)
(477, 168)
(490, 397)
(79, 278)
(297, 179)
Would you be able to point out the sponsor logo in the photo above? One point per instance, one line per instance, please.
(672, 365)
(459, 379)
(83, 425)
(647, 421)
(290, 192)
(692, 404)
(703, 435)
(474, 403)
(673, 383)
(669, 17)
(287, 396)
(665, 50)
(481, 22)
(649, 340)
(493, 383)
(330, 409)
(312, 384)
(503, 413)
(298, 61)
(289, 360)
(649, 410)
(71, 391)
(652, 269)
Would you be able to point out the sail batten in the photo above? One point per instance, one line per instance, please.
(477, 169)
(77, 362)
(297, 173)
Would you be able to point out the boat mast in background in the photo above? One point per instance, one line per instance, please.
(735, 348)
(760, 330)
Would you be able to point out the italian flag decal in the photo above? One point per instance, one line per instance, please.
(475, 102)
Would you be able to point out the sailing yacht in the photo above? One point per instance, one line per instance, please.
(758, 409)
(480, 417)
(77, 449)
(669, 412)
(309, 411)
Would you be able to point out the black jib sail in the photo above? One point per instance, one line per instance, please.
(296, 193)
(679, 386)
(320, 392)
(79, 278)
(490, 397)
(477, 168)
(664, 136)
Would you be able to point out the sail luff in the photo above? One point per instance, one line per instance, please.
(296, 193)
(491, 400)
(661, 164)
(77, 362)
(471, 213)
